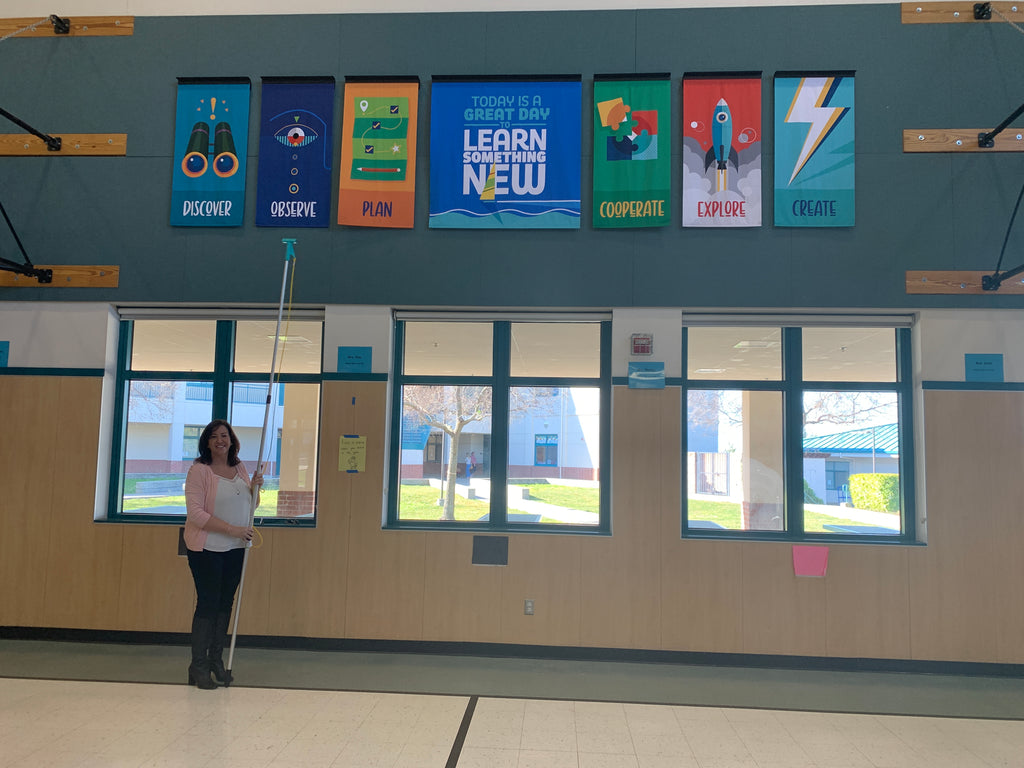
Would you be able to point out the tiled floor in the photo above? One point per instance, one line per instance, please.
(69, 724)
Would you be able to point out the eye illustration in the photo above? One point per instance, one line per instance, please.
(296, 135)
(298, 128)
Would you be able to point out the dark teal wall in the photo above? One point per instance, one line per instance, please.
(928, 211)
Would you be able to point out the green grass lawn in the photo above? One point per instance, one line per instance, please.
(727, 515)
(419, 502)
(267, 507)
(569, 496)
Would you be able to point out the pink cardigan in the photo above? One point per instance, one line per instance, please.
(200, 498)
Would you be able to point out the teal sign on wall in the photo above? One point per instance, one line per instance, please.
(814, 151)
(211, 140)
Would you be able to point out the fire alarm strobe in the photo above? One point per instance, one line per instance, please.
(642, 343)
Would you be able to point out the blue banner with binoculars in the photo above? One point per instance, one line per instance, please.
(211, 137)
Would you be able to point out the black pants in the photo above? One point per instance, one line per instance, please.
(216, 575)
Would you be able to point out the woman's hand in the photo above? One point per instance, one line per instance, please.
(257, 479)
(239, 532)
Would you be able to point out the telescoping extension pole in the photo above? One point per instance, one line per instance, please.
(289, 259)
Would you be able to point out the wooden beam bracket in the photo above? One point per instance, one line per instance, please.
(66, 276)
(71, 145)
(77, 26)
(952, 282)
(961, 12)
(961, 140)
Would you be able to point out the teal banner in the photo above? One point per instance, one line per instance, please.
(814, 151)
(211, 139)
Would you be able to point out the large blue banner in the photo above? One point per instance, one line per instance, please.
(505, 154)
(211, 137)
(814, 151)
(294, 173)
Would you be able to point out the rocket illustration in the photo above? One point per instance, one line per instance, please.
(722, 151)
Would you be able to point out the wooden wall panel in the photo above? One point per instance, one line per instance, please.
(702, 596)
(83, 563)
(545, 569)
(308, 571)
(782, 613)
(965, 586)
(384, 569)
(155, 593)
(31, 462)
(461, 601)
(621, 575)
(868, 602)
(644, 587)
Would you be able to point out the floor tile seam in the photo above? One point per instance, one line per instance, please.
(805, 710)
(460, 737)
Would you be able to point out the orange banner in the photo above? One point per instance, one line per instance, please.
(378, 154)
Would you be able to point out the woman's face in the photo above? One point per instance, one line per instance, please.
(220, 443)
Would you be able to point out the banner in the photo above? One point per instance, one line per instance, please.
(211, 136)
(505, 154)
(814, 151)
(378, 153)
(632, 152)
(722, 151)
(293, 180)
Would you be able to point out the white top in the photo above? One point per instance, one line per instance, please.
(232, 506)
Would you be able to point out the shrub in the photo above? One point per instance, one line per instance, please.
(810, 497)
(880, 492)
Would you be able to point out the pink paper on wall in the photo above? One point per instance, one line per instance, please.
(809, 561)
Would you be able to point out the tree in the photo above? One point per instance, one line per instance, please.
(844, 408)
(710, 408)
(451, 409)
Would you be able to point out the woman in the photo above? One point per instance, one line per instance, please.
(217, 530)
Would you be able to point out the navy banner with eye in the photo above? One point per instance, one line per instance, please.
(294, 178)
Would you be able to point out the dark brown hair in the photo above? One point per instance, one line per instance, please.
(205, 456)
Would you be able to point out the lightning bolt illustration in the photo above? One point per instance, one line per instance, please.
(810, 105)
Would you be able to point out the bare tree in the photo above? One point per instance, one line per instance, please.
(451, 409)
(709, 407)
(152, 401)
(843, 408)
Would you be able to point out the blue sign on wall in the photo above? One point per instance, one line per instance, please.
(983, 367)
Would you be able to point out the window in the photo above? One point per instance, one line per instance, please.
(545, 452)
(501, 425)
(190, 445)
(798, 432)
(179, 374)
(837, 475)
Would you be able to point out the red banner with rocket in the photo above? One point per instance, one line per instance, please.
(378, 153)
(722, 150)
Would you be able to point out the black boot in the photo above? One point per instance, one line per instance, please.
(199, 669)
(220, 633)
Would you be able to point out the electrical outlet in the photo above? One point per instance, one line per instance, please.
(528, 607)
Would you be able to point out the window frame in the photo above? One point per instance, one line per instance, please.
(792, 388)
(501, 382)
(222, 377)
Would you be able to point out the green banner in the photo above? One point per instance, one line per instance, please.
(632, 153)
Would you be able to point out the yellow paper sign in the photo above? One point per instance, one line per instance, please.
(352, 453)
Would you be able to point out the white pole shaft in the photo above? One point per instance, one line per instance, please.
(254, 490)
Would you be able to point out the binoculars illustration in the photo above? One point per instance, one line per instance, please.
(197, 152)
